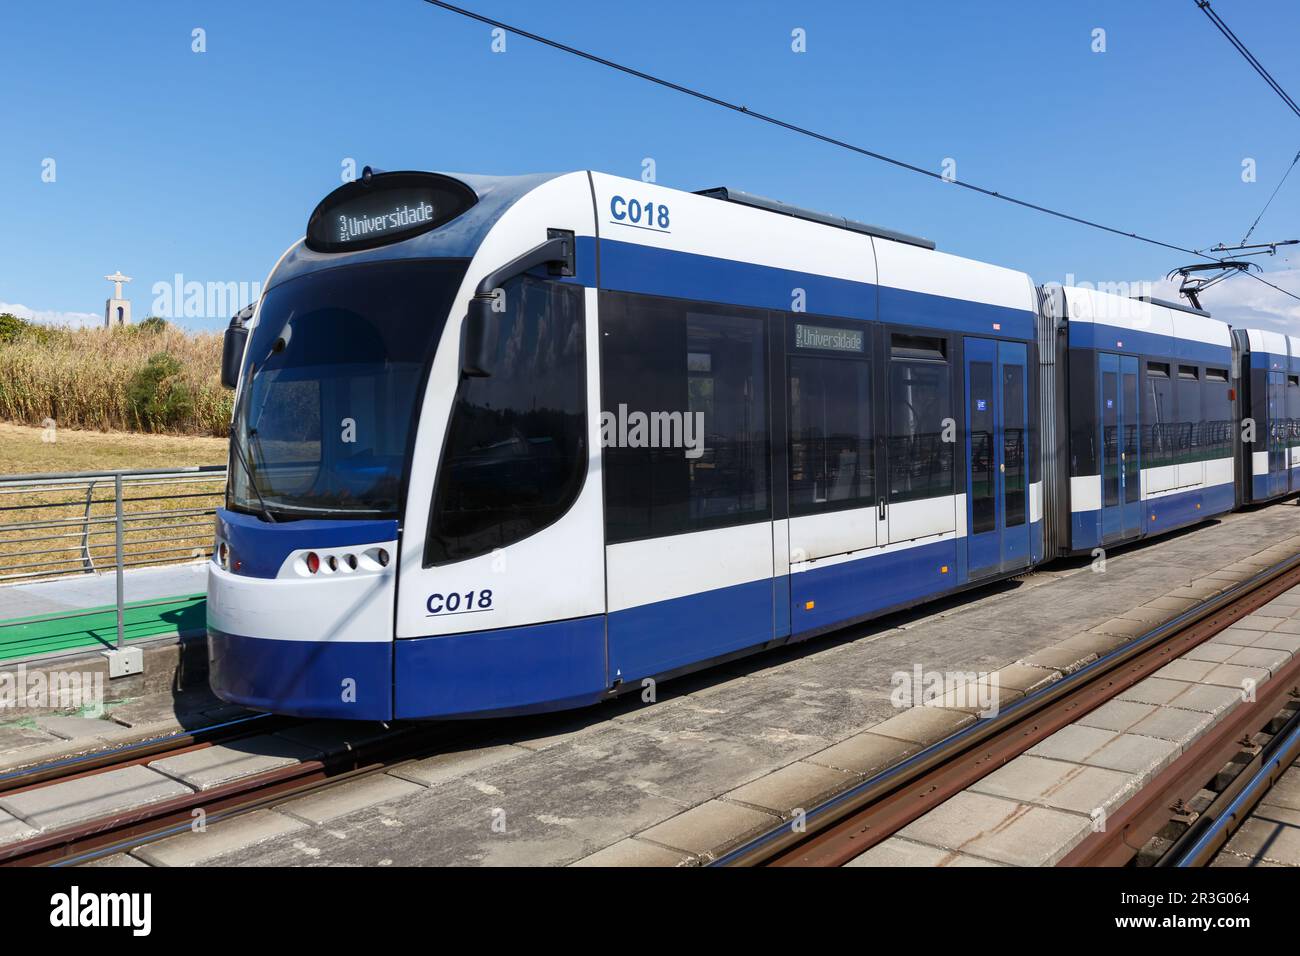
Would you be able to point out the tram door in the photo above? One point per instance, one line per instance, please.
(997, 480)
(1121, 468)
(1278, 439)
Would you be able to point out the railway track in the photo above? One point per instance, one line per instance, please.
(124, 830)
(850, 823)
(1202, 827)
(70, 768)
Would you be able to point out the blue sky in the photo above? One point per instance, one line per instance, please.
(207, 164)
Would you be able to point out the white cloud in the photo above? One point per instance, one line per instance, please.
(74, 320)
(1243, 302)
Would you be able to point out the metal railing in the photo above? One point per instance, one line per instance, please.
(76, 523)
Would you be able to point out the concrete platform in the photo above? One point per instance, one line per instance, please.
(730, 751)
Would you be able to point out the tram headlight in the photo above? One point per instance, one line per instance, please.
(223, 555)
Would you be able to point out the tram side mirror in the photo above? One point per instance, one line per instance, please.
(232, 355)
(232, 346)
(475, 340)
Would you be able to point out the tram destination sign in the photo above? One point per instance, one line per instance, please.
(829, 339)
(385, 207)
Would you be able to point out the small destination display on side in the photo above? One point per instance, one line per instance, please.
(829, 339)
(384, 208)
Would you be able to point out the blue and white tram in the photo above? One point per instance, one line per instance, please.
(503, 445)
(1145, 415)
(1270, 397)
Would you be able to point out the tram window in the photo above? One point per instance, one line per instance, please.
(831, 442)
(1293, 408)
(516, 451)
(1013, 444)
(1082, 384)
(1217, 408)
(1190, 416)
(920, 460)
(684, 421)
(1159, 428)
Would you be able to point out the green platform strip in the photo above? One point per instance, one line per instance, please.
(97, 628)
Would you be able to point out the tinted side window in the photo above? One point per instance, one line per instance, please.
(516, 451)
(1293, 407)
(684, 416)
(920, 461)
(1083, 424)
(831, 442)
(1189, 415)
(1218, 414)
(1159, 430)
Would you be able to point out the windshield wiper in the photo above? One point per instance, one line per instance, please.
(236, 445)
(276, 347)
(252, 481)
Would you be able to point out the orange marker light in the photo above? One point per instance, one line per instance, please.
(809, 605)
(944, 569)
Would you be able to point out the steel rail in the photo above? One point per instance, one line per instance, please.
(1202, 843)
(1146, 812)
(858, 818)
(70, 768)
(133, 827)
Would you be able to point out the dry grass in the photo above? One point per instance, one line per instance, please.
(82, 378)
(56, 544)
(23, 450)
(109, 394)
